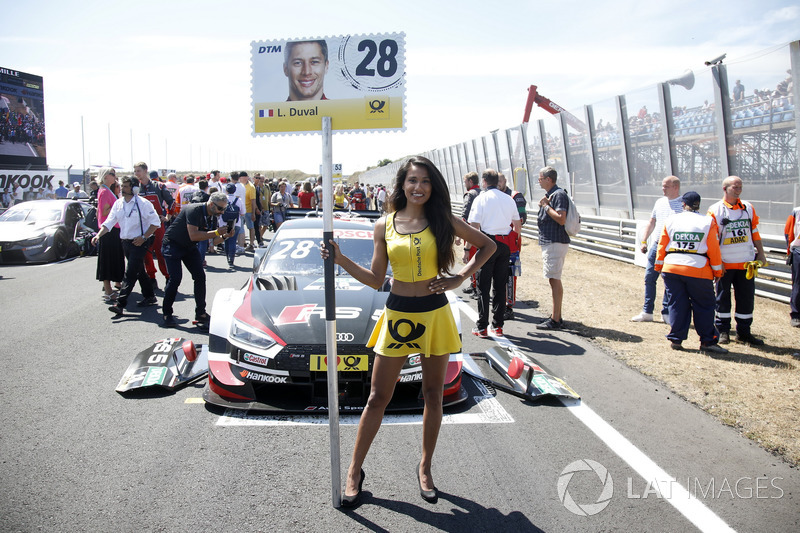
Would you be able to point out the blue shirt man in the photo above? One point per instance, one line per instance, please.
(62, 191)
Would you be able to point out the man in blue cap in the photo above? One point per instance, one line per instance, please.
(689, 259)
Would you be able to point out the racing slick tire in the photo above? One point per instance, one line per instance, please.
(60, 246)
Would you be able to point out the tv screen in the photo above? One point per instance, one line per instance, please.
(22, 132)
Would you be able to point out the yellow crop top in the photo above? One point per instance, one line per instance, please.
(413, 256)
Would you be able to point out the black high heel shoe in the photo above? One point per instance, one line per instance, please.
(355, 499)
(430, 496)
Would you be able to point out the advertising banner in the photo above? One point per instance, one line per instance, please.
(34, 180)
(22, 131)
(357, 80)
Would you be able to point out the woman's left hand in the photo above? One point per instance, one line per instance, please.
(440, 285)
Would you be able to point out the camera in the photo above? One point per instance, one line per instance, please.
(230, 226)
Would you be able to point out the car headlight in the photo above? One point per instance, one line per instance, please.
(250, 336)
(35, 241)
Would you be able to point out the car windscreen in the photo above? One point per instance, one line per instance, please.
(20, 213)
(296, 251)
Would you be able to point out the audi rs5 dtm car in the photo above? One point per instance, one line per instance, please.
(39, 231)
(267, 340)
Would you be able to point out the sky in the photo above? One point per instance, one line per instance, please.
(168, 82)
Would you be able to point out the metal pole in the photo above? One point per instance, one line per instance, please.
(794, 57)
(330, 313)
(727, 160)
(83, 149)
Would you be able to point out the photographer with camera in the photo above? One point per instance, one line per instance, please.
(280, 201)
(195, 223)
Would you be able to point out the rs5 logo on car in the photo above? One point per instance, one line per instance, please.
(301, 314)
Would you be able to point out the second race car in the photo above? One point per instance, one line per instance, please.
(39, 231)
(267, 339)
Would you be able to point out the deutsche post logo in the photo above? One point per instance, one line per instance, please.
(414, 332)
(377, 106)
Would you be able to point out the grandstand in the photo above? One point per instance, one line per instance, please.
(699, 131)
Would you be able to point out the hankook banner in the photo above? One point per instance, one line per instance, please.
(357, 80)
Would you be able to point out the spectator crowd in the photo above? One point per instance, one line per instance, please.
(727, 252)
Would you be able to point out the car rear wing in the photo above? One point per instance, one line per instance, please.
(348, 214)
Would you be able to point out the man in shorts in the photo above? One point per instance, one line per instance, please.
(249, 201)
(553, 239)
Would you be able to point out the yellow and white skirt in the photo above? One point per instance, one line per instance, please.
(410, 325)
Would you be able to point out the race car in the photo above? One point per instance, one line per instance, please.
(39, 231)
(267, 347)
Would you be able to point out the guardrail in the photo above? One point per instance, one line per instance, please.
(615, 238)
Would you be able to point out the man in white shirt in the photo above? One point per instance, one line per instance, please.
(380, 199)
(495, 214)
(666, 206)
(76, 193)
(138, 222)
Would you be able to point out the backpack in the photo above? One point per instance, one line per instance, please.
(231, 213)
(573, 222)
(200, 197)
(91, 218)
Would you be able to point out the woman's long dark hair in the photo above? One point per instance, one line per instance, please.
(438, 210)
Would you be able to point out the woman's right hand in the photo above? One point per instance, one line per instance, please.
(324, 253)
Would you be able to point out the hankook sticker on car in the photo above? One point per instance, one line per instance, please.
(265, 378)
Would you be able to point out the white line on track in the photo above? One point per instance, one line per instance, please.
(671, 490)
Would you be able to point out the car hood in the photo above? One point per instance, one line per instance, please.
(20, 231)
(298, 316)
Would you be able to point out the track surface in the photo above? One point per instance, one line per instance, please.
(77, 456)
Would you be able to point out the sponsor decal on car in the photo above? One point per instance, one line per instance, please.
(341, 408)
(316, 233)
(414, 360)
(133, 378)
(255, 359)
(264, 378)
(408, 378)
(155, 376)
(346, 363)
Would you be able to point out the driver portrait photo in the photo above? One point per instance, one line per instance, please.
(305, 64)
